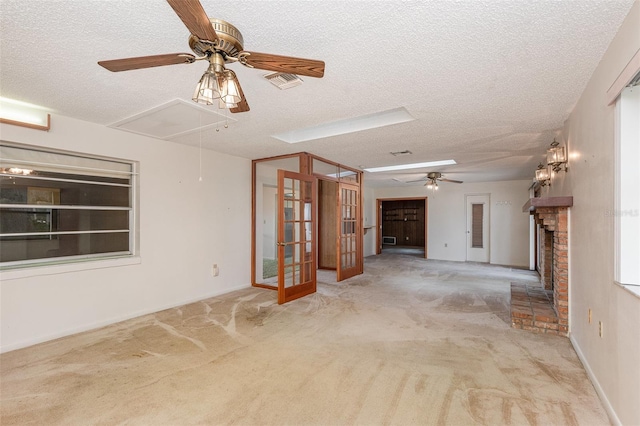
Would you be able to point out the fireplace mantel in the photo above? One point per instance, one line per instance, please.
(533, 203)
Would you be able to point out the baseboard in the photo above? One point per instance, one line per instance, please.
(594, 381)
(114, 320)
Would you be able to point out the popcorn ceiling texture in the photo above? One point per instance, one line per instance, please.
(481, 77)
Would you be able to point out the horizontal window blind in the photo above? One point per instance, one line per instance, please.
(44, 161)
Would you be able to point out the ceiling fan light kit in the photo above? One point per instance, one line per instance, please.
(219, 42)
(208, 89)
(432, 179)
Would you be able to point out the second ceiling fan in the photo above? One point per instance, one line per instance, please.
(219, 43)
(432, 179)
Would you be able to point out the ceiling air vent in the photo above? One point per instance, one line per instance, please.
(283, 80)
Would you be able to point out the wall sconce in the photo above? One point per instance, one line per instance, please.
(543, 176)
(23, 114)
(557, 157)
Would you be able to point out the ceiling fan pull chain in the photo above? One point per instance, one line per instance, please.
(200, 150)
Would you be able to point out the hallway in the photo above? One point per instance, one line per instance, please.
(411, 341)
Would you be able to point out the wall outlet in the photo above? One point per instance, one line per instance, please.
(214, 270)
(446, 245)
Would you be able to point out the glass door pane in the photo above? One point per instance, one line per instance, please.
(265, 228)
(296, 245)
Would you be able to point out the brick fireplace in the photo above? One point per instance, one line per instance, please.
(545, 308)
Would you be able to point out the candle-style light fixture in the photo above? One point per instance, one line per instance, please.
(556, 157)
(542, 175)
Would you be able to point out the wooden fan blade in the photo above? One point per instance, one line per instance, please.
(194, 18)
(287, 64)
(243, 106)
(449, 180)
(414, 181)
(127, 64)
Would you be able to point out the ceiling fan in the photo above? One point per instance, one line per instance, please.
(432, 179)
(219, 43)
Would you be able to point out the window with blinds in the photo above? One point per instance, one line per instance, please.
(477, 236)
(62, 206)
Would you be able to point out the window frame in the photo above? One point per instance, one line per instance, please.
(622, 258)
(11, 269)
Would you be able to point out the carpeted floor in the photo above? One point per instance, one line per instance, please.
(411, 341)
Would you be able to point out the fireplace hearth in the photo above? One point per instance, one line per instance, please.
(530, 305)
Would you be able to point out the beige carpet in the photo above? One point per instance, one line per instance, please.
(409, 342)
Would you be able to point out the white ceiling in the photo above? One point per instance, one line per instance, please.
(488, 82)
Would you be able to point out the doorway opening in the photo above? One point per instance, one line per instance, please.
(403, 226)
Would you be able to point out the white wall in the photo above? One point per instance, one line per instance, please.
(611, 360)
(185, 227)
(369, 218)
(509, 226)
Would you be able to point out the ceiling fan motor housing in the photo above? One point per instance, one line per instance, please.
(230, 41)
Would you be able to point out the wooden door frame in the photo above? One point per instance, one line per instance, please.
(379, 202)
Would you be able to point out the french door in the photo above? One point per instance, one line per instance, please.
(349, 244)
(296, 239)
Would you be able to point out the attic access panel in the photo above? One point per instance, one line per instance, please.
(175, 118)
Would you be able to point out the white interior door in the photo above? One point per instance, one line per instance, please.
(478, 228)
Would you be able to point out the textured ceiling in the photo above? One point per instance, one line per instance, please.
(489, 82)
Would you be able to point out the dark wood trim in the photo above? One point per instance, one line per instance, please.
(533, 203)
(311, 157)
(342, 166)
(277, 157)
(296, 292)
(270, 287)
